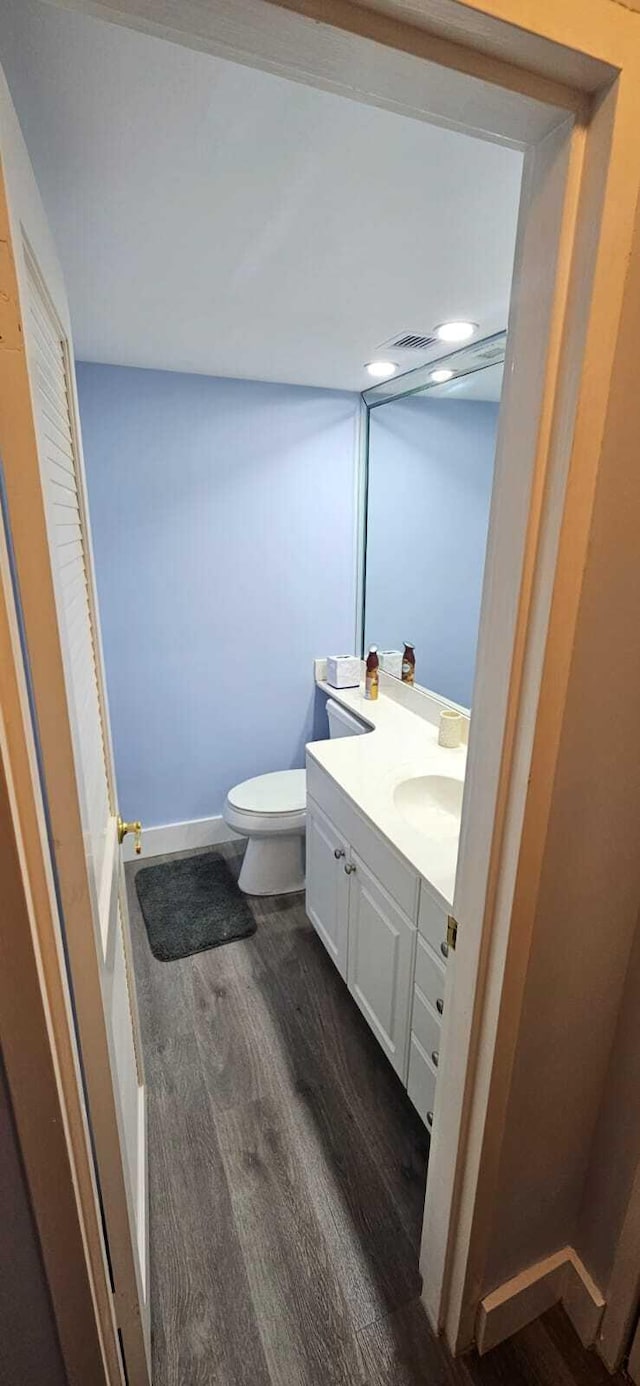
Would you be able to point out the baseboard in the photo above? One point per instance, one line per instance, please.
(558, 1279)
(583, 1301)
(180, 837)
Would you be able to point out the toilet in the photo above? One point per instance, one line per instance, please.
(271, 811)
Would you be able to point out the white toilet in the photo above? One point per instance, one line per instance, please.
(271, 811)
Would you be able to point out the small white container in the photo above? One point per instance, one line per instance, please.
(343, 671)
(450, 728)
(391, 662)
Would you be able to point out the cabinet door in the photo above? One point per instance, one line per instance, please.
(381, 957)
(327, 884)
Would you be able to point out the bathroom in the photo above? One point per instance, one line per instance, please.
(289, 451)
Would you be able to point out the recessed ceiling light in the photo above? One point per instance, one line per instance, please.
(381, 369)
(455, 331)
(439, 377)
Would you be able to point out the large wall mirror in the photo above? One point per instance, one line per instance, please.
(429, 473)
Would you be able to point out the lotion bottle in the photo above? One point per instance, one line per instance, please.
(408, 663)
(372, 675)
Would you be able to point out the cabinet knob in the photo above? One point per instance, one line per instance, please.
(430, 1120)
(444, 949)
(349, 868)
(435, 1057)
(439, 1005)
(338, 852)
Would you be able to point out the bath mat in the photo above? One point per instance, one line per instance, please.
(192, 904)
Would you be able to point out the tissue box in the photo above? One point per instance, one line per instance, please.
(391, 662)
(343, 671)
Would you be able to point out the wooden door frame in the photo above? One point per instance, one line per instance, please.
(78, 915)
(579, 60)
(38, 1037)
(633, 1366)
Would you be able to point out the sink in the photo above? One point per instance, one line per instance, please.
(431, 803)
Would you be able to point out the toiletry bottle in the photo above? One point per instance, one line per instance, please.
(372, 676)
(408, 663)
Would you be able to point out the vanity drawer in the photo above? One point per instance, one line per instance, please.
(421, 1084)
(430, 976)
(432, 922)
(425, 1027)
(383, 861)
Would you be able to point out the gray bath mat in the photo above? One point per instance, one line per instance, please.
(192, 904)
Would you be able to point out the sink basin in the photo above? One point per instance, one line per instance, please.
(431, 803)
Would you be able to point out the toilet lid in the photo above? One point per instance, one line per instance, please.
(284, 791)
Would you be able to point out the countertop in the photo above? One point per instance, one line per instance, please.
(368, 768)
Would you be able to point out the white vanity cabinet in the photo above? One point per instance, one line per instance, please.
(362, 899)
(380, 970)
(427, 1009)
(327, 884)
(384, 930)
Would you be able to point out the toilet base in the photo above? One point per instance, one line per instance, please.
(273, 865)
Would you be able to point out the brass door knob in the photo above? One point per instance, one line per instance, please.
(135, 827)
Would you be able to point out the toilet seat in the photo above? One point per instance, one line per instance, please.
(283, 791)
(274, 803)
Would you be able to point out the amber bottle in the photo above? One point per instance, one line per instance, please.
(409, 663)
(372, 676)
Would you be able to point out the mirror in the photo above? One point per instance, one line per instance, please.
(429, 476)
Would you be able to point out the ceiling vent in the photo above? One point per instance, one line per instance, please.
(407, 341)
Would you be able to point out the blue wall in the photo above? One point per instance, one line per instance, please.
(430, 477)
(223, 526)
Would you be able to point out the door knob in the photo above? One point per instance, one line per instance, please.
(338, 852)
(134, 827)
(349, 868)
(439, 1005)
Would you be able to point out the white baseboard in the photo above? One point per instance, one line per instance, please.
(558, 1279)
(180, 837)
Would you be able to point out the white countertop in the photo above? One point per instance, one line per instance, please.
(368, 768)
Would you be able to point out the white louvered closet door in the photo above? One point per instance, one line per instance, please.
(71, 560)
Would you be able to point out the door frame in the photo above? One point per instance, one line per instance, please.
(567, 86)
(38, 1037)
(75, 931)
(633, 1365)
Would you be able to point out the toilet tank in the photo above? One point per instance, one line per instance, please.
(343, 723)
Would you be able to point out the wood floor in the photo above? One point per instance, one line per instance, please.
(287, 1172)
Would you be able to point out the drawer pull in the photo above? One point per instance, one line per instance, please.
(430, 1120)
(435, 1057)
(338, 852)
(349, 867)
(444, 949)
(439, 1005)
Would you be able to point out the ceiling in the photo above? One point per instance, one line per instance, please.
(218, 219)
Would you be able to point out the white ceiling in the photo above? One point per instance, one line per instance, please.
(218, 219)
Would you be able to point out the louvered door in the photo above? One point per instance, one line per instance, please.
(67, 537)
(69, 544)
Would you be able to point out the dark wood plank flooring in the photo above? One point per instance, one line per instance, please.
(287, 1172)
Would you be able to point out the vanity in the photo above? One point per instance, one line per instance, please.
(383, 823)
(384, 808)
